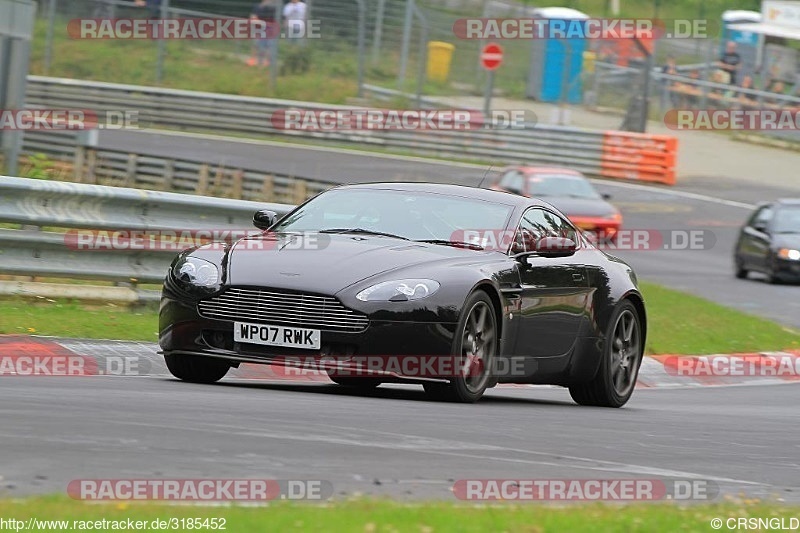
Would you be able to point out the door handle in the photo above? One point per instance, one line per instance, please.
(577, 277)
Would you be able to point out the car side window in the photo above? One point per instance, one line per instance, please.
(513, 180)
(762, 216)
(537, 223)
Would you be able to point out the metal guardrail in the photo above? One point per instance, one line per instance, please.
(40, 207)
(643, 157)
(142, 171)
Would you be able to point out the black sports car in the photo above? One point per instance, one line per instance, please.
(769, 242)
(364, 279)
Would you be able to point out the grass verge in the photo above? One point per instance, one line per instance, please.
(679, 323)
(381, 515)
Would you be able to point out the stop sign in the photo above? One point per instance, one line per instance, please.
(491, 56)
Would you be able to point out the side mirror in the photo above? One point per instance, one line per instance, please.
(760, 226)
(555, 247)
(264, 219)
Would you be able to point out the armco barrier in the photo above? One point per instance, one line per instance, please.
(34, 204)
(589, 151)
(143, 171)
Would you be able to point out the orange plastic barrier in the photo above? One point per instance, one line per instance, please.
(638, 156)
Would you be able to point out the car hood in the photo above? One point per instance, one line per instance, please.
(786, 240)
(581, 207)
(332, 263)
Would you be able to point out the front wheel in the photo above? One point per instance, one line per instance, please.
(196, 369)
(474, 346)
(619, 367)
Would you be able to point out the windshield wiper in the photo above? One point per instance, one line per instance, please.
(362, 231)
(458, 244)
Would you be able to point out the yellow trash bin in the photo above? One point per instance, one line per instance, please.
(589, 58)
(440, 54)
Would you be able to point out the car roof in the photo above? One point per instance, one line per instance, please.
(466, 191)
(789, 201)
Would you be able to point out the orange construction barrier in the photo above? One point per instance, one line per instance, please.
(638, 156)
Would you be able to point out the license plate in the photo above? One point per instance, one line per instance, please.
(286, 337)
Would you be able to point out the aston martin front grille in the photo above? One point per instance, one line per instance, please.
(283, 308)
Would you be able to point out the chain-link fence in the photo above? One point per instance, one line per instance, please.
(378, 42)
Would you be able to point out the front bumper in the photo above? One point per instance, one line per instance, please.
(184, 330)
(786, 269)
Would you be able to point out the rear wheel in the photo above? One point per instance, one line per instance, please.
(619, 367)
(197, 369)
(475, 347)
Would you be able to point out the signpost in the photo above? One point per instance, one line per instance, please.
(16, 28)
(491, 58)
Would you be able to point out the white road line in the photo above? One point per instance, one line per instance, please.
(441, 162)
(674, 192)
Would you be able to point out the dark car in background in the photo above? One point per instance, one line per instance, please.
(396, 270)
(769, 242)
(570, 192)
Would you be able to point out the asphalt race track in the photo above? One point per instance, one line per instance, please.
(745, 440)
(390, 442)
(715, 205)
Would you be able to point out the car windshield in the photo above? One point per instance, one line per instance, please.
(407, 214)
(561, 185)
(787, 220)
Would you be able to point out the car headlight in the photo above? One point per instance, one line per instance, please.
(196, 272)
(789, 253)
(401, 290)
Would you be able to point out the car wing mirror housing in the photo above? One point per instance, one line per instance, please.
(264, 219)
(555, 247)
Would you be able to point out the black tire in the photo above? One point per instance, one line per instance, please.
(478, 325)
(621, 356)
(197, 369)
(741, 272)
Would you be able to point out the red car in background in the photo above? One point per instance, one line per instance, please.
(570, 192)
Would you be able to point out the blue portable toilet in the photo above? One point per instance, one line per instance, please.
(746, 41)
(735, 16)
(556, 63)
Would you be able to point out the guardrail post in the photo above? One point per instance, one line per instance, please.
(91, 165)
(268, 188)
(300, 191)
(236, 188)
(202, 180)
(130, 170)
(169, 174)
(79, 161)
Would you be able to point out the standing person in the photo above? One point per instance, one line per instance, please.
(294, 16)
(730, 60)
(262, 49)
